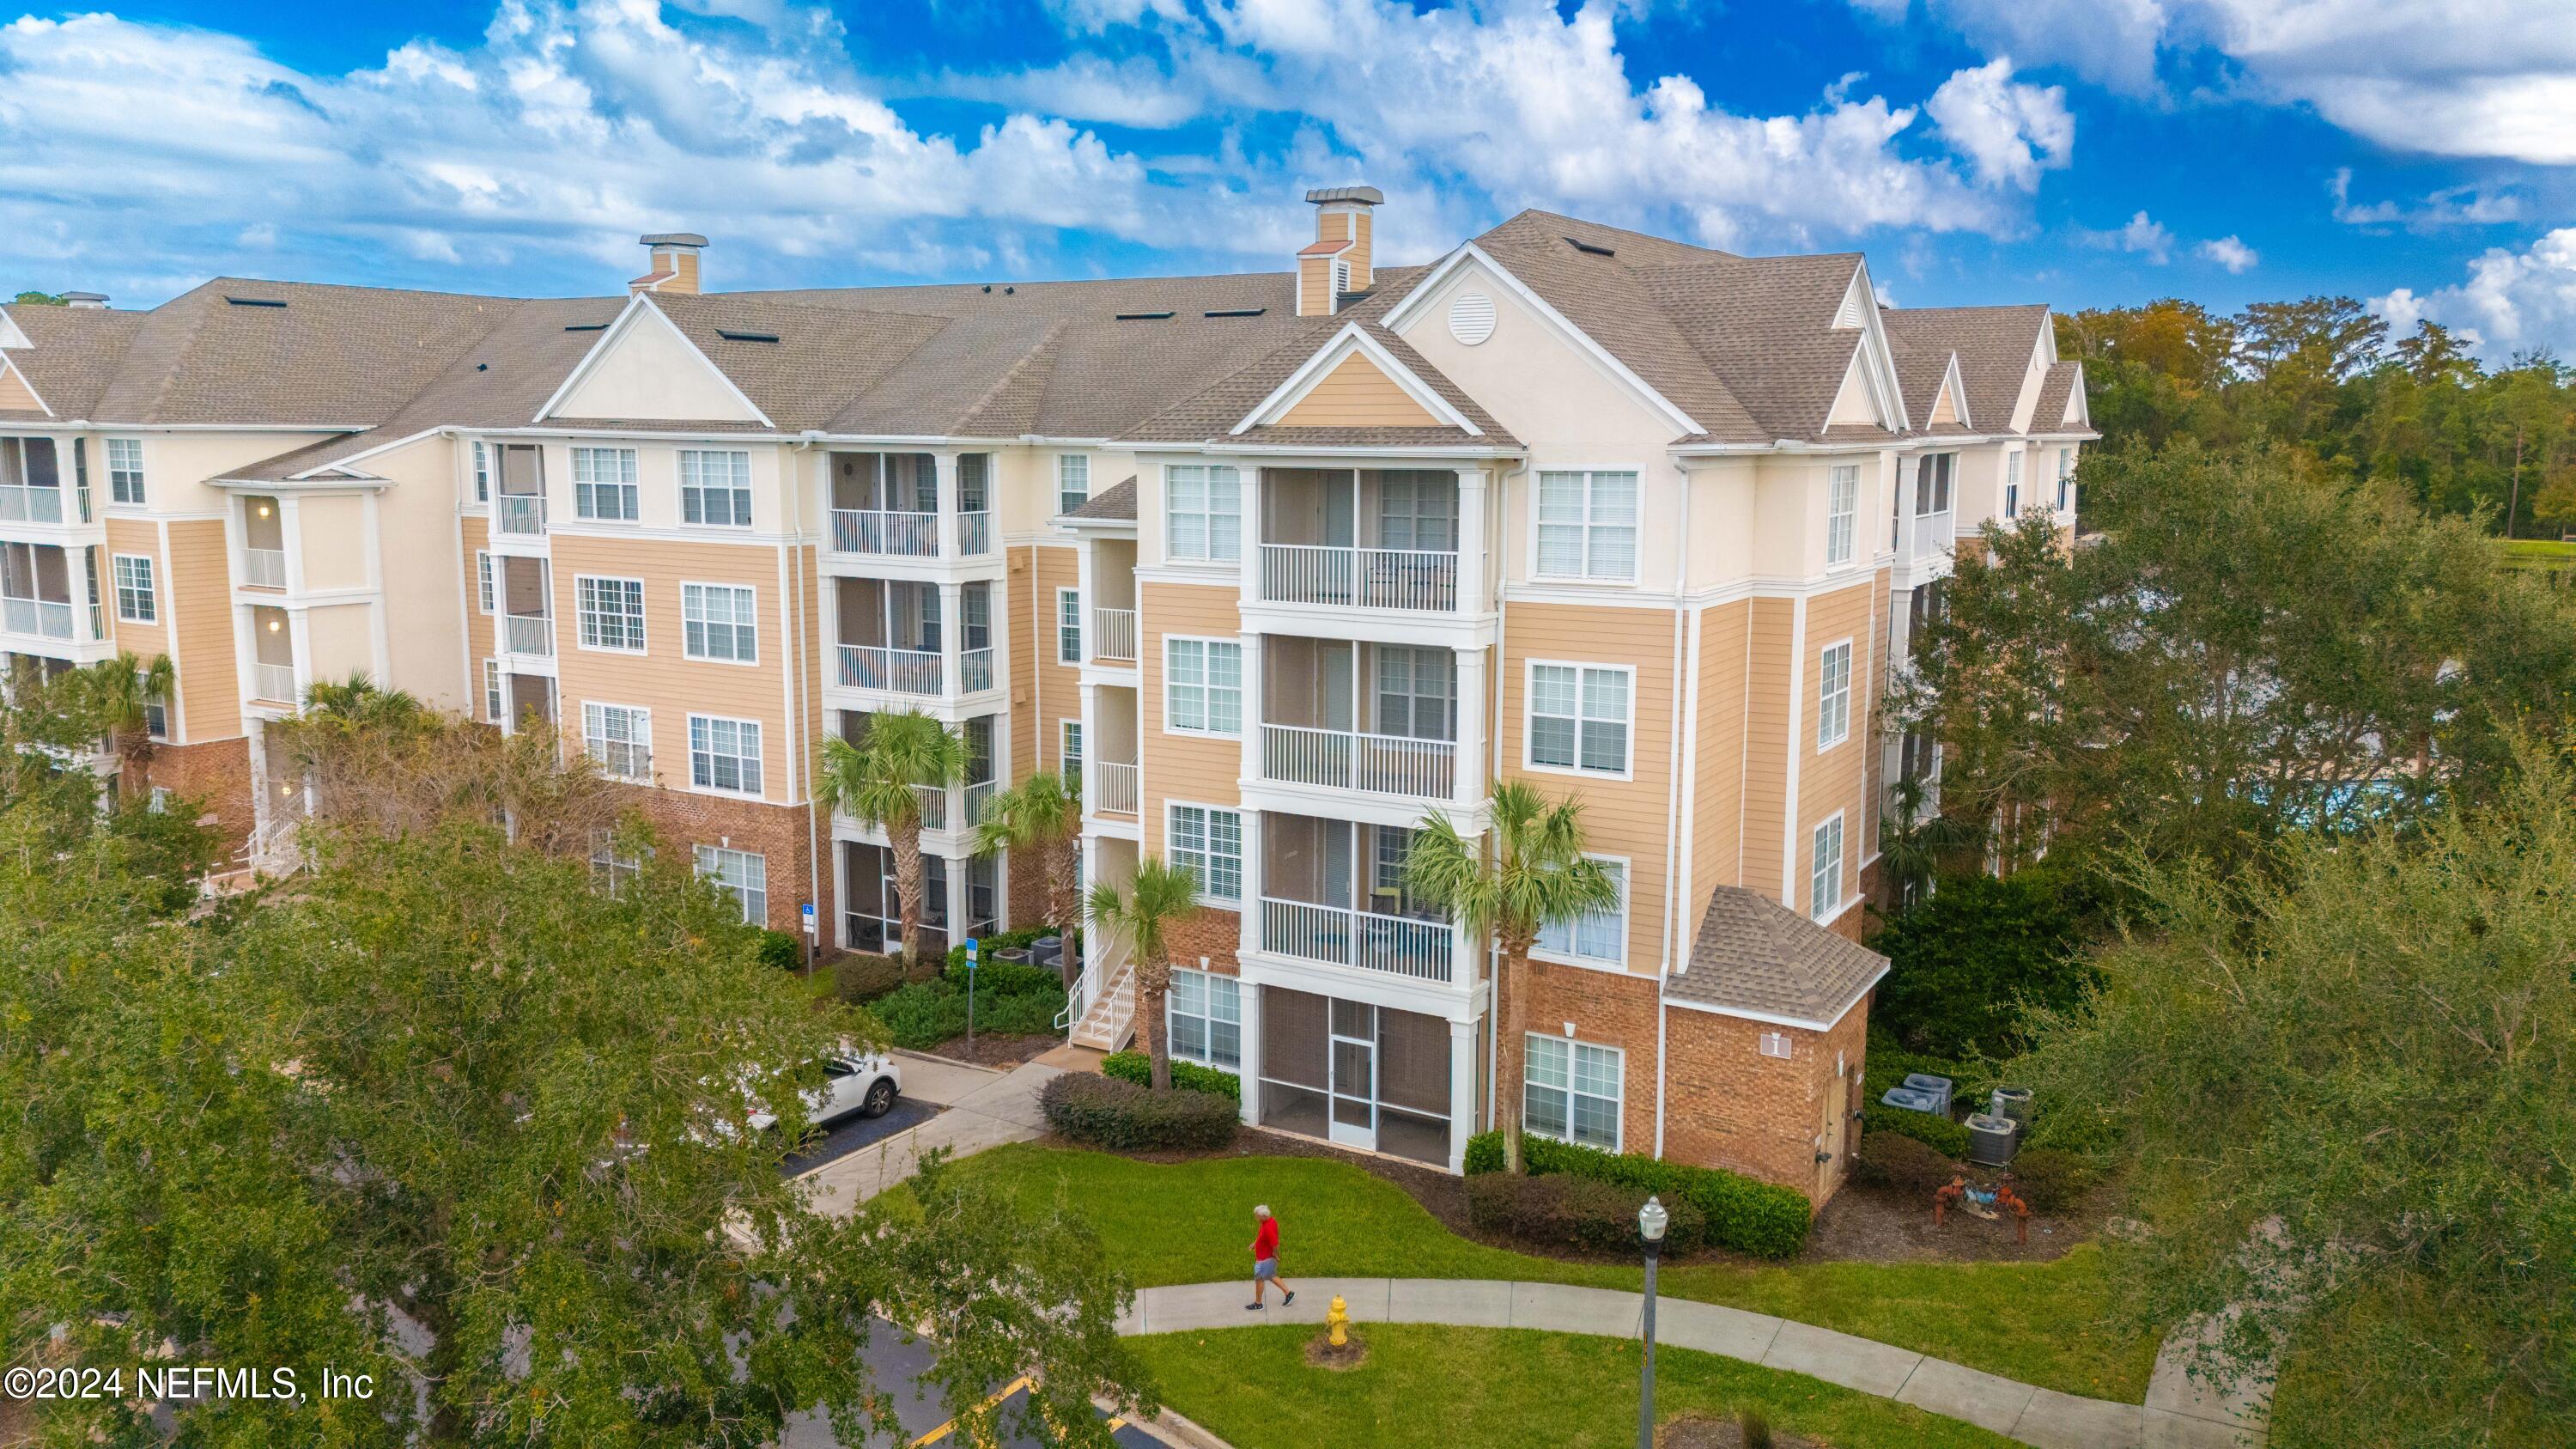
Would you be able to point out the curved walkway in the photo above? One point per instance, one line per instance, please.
(2020, 1411)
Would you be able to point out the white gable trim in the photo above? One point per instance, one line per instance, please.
(1420, 297)
(1881, 365)
(1352, 339)
(1957, 388)
(11, 369)
(1857, 301)
(639, 305)
(2079, 413)
(11, 334)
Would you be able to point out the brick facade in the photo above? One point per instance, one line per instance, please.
(1209, 932)
(216, 776)
(776, 833)
(1727, 1105)
(1607, 1008)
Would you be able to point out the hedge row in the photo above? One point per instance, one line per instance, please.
(1139, 1068)
(1108, 1112)
(1561, 1212)
(1742, 1214)
(926, 1013)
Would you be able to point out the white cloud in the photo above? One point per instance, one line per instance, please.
(2143, 236)
(2229, 252)
(2451, 206)
(2009, 132)
(2512, 301)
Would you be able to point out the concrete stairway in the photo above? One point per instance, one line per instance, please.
(1111, 1021)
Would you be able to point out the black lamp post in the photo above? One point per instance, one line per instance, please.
(1650, 1229)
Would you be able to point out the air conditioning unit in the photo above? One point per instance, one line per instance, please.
(1991, 1139)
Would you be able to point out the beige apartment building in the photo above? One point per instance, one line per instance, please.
(1278, 565)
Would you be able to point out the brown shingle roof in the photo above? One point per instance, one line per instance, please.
(1117, 505)
(1754, 955)
(75, 354)
(2049, 415)
(1994, 347)
(1211, 412)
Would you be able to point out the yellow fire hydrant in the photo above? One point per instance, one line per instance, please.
(1337, 1317)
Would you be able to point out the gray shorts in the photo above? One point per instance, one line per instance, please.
(1266, 1271)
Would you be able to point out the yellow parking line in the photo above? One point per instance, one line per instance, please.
(950, 1427)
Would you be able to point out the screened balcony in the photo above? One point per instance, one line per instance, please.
(1109, 626)
(45, 593)
(273, 676)
(526, 620)
(1372, 538)
(1332, 891)
(31, 481)
(519, 502)
(1381, 719)
(887, 505)
(263, 555)
(892, 637)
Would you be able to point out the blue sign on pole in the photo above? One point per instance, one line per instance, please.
(972, 951)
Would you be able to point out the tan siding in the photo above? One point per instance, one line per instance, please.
(138, 536)
(661, 679)
(1059, 686)
(1314, 286)
(1945, 408)
(1766, 743)
(1833, 778)
(15, 395)
(1717, 851)
(1356, 394)
(1015, 601)
(1620, 817)
(1868, 715)
(201, 592)
(1181, 767)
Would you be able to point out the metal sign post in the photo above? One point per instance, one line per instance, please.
(973, 949)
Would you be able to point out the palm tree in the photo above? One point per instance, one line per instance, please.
(1158, 897)
(1530, 871)
(1043, 816)
(1918, 843)
(119, 694)
(881, 781)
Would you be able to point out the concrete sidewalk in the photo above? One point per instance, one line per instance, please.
(985, 1108)
(2020, 1411)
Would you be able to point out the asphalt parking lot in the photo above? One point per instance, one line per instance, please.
(857, 1132)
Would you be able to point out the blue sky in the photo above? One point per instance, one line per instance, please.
(2415, 153)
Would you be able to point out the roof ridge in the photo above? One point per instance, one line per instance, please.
(1045, 349)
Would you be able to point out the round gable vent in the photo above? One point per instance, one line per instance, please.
(1471, 318)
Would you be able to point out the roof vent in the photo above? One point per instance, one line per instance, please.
(1144, 316)
(88, 301)
(1471, 318)
(256, 301)
(746, 336)
(1235, 312)
(585, 326)
(1591, 248)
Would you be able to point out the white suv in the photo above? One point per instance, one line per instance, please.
(864, 1085)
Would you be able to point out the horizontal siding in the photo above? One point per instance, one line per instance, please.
(1833, 779)
(201, 594)
(1717, 848)
(138, 536)
(1769, 677)
(1057, 693)
(1355, 394)
(1181, 767)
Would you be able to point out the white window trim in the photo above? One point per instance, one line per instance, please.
(1234, 642)
(1242, 526)
(2011, 486)
(680, 486)
(478, 471)
(1529, 692)
(1618, 1119)
(1243, 862)
(1062, 726)
(697, 866)
(1171, 1003)
(1061, 461)
(754, 661)
(1851, 543)
(1079, 643)
(151, 590)
(496, 693)
(574, 468)
(1842, 869)
(1851, 688)
(644, 710)
(641, 593)
(487, 583)
(689, 743)
(1637, 573)
(142, 482)
(1627, 918)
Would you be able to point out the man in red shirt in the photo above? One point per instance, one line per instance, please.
(1265, 1259)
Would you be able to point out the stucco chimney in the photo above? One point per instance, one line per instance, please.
(1338, 259)
(675, 262)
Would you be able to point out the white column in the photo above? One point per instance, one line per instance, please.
(952, 631)
(1249, 1070)
(1462, 1091)
(1473, 573)
(1090, 744)
(1088, 596)
(944, 465)
(1253, 884)
(1251, 567)
(1473, 746)
(1252, 705)
(957, 922)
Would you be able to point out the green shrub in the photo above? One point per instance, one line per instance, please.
(779, 949)
(1747, 1216)
(1561, 1212)
(860, 977)
(1139, 1068)
(2050, 1180)
(1887, 1160)
(1965, 964)
(1108, 1112)
(1887, 1065)
(923, 1014)
(1942, 1135)
(989, 946)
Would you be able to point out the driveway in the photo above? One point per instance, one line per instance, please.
(897, 1362)
(984, 1109)
(857, 1132)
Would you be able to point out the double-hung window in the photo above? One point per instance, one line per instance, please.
(1202, 513)
(739, 874)
(2065, 479)
(611, 612)
(1833, 695)
(1842, 511)
(156, 713)
(724, 754)
(483, 584)
(492, 706)
(1578, 718)
(1599, 936)
(719, 621)
(135, 600)
(2012, 485)
(603, 484)
(1573, 1092)
(1068, 626)
(1072, 482)
(1206, 1015)
(609, 867)
(1208, 843)
(1069, 750)
(1932, 484)
(1587, 526)
(1203, 686)
(715, 488)
(1825, 885)
(125, 470)
(620, 738)
(482, 473)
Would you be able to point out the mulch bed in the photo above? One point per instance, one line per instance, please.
(1699, 1431)
(1861, 1224)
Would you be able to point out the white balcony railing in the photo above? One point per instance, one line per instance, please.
(264, 568)
(519, 513)
(898, 671)
(934, 806)
(879, 531)
(1118, 787)
(978, 795)
(1345, 760)
(40, 617)
(1367, 578)
(1932, 536)
(974, 534)
(1113, 636)
(273, 682)
(528, 633)
(1398, 945)
(975, 670)
(23, 504)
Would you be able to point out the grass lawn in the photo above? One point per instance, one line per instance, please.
(1501, 1388)
(1192, 1223)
